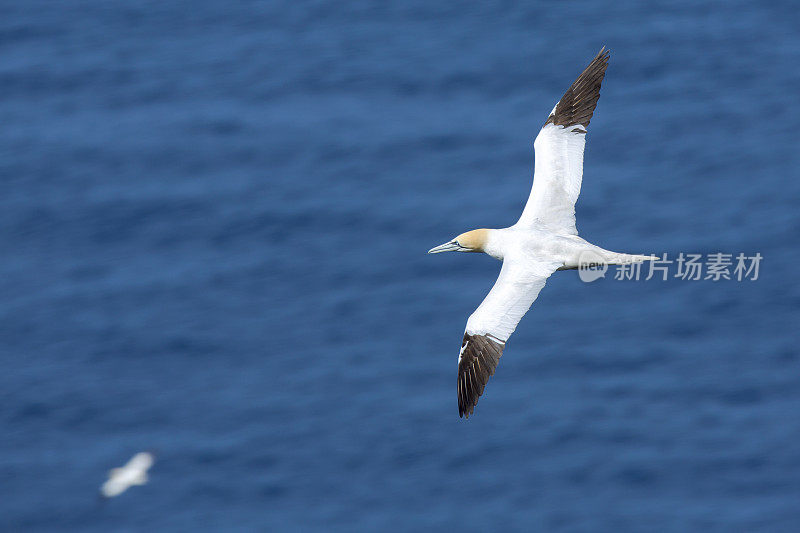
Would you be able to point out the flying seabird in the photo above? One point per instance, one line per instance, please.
(543, 240)
(133, 473)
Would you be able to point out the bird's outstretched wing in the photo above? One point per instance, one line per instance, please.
(141, 461)
(493, 322)
(558, 170)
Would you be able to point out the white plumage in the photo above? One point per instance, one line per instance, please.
(133, 473)
(516, 288)
(558, 173)
(544, 239)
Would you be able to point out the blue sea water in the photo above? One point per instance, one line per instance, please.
(213, 226)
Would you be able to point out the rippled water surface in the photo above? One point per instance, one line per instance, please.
(213, 225)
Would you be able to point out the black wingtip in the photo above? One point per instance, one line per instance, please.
(578, 103)
(477, 363)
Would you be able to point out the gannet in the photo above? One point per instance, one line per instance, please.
(133, 473)
(542, 241)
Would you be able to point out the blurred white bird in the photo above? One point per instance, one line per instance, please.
(543, 240)
(133, 473)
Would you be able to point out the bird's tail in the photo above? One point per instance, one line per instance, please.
(625, 259)
(594, 255)
(599, 256)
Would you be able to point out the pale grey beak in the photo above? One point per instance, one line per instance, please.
(451, 246)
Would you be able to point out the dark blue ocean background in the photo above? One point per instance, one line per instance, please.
(213, 226)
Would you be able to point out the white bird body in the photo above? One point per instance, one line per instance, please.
(533, 244)
(544, 239)
(133, 473)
